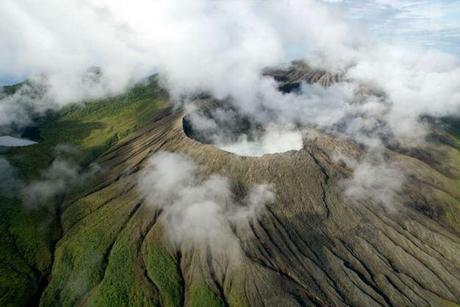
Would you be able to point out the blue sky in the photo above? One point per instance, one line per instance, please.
(10, 80)
(430, 23)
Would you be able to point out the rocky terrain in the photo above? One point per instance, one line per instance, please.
(291, 77)
(311, 246)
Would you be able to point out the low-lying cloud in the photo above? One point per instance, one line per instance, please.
(63, 175)
(273, 140)
(375, 179)
(198, 210)
(221, 48)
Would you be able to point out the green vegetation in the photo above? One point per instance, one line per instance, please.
(201, 295)
(112, 251)
(11, 89)
(81, 260)
(453, 126)
(450, 203)
(162, 269)
(124, 283)
(28, 236)
(99, 261)
(92, 127)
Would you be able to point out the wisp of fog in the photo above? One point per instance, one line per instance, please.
(77, 50)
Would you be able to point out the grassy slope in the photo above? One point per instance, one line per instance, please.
(105, 237)
(453, 207)
(27, 236)
(93, 127)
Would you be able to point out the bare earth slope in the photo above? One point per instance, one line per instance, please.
(311, 246)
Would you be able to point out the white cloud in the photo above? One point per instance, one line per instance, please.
(215, 46)
(62, 175)
(198, 210)
(221, 47)
(273, 140)
(428, 23)
(374, 179)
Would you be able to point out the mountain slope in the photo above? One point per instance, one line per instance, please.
(29, 234)
(311, 246)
